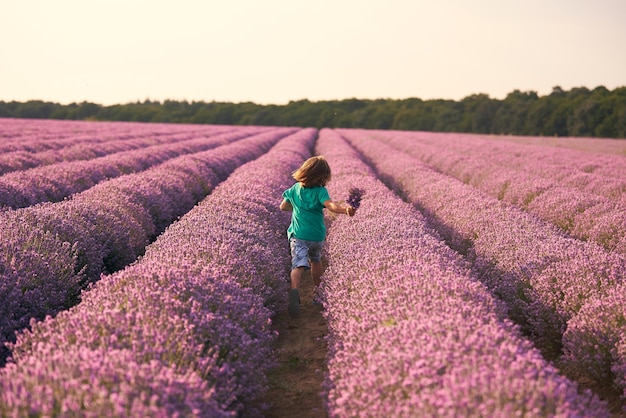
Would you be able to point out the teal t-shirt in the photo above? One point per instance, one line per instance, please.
(307, 218)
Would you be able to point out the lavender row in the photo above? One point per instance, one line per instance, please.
(55, 182)
(37, 135)
(544, 276)
(89, 149)
(471, 157)
(49, 252)
(595, 341)
(587, 213)
(570, 167)
(587, 144)
(186, 330)
(597, 174)
(411, 331)
(583, 169)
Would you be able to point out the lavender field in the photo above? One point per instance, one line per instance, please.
(141, 267)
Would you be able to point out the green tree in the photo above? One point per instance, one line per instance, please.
(511, 116)
(478, 113)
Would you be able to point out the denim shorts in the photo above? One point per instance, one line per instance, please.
(303, 251)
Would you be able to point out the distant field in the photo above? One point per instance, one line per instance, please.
(594, 145)
(141, 266)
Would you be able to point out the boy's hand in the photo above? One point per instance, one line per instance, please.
(339, 208)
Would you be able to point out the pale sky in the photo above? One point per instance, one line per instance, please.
(274, 51)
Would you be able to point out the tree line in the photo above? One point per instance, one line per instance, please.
(578, 112)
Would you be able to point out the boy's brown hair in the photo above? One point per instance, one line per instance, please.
(314, 172)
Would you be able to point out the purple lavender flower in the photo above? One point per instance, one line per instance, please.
(542, 275)
(51, 251)
(186, 330)
(412, 331)
(354, 197)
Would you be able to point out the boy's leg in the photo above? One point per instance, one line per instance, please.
(294, 295)
(296, 277)
(316, 273)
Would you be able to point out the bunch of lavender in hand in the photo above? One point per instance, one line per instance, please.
(354, 197)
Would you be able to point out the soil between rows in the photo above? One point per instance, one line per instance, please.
(296, 383)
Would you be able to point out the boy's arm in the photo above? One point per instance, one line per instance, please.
(285, 205)
(339, 208)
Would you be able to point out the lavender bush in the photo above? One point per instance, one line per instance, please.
(411, 331)
(595, 337)
(38, 135)
(35, 151)
(544, 277)
(186, 329)
(35, 136)
(107, 227)
(55, 182)
(582, 193)
(116, 352)
(600, 174)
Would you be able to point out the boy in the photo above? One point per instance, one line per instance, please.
(306, 199)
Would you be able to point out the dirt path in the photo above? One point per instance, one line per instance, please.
(296, 383)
